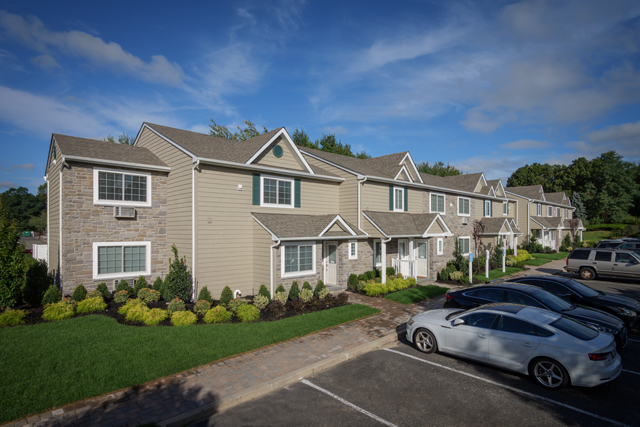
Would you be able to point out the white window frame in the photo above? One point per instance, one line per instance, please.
(468, 200)
(487, 208)
(559, 212)
(465, 238)
(96, 189)
(439, 246)
(444, 203)
(375, 253)
(566, 213)
(298, 273)
(406, 249)
(277, 205)
(549, 211)
(395, 199)
(505, 208)
(353, 243)
(539, 209)
(147, 261)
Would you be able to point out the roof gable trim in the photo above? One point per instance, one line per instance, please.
(443, 225)
(175, 144)
(281, 132)
(406, 172)
(413, 166)
(344, 224)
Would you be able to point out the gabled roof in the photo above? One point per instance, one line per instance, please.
(552, 222)
(299, 227)
(559, 198)
(514, 227)
(466, 182)
(103, 152)
(533, 192)
(494, 225)
(405, 224)
(384, 166)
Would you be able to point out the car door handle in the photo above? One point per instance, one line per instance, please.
(481, 336)
(615, 264)
(527, 344)
(594, 263)
(446, 327)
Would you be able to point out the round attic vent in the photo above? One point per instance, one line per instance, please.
(278, 151)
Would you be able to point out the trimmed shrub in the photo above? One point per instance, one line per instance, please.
(37, 281)
(363, 277)
(276, 307)
(320, 286)
(154, 317)
(330, 300)
(102, 287)
(176, 304)
(353, 282)
(342, 298)
(264, 292)
(280, 289)
(183, 318)
(455, 276)
(123, 285)
(235, 304)
(247, 313)
(217, 314)
(297, 305)
(178, 281)
(91, 305)
(79, 293)
(511, 262)
(260, 301)
(59, 311)
(12, 317)
(158, 285)
(371, 274)
(294, 292)
(323, 293)
(281, 296)
(306, 285)
(226, 296)
(141, 283)
(205, 295)
(121, 296)
(52, 295)
(375, 289)
(94, 294)
(306, 295)
(149, 295)
(202, 306)
(132, 303)
(391, 271)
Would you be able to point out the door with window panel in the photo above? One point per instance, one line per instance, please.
(331, 263)
(422, 258)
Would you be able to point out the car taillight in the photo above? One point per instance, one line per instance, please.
(598, 356)
(567, 261)
(448, 296)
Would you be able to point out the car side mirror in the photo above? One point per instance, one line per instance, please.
(458, 322)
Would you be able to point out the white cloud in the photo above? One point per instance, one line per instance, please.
(8, 184)
(493, 168)
(32, 33)
(25, 166)
(525, 144)
(46, 62)
(623, 138)
(338, 130)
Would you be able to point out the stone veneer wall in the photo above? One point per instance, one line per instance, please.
(347, 267)
(84, 223)
(287, 282)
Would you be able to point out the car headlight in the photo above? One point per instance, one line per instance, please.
(411, 321)
(602, 328)
(626, 312)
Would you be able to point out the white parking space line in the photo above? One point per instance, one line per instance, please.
(526, 393)
(631, 372)
(351, 405)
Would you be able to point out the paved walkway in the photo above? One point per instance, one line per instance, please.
(168, 397)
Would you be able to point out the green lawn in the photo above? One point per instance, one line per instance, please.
(537, 261)
(558, 255)
(596, 236)
(417, 294)
(495, 274)
(53, 364)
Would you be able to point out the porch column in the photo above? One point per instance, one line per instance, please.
(383, 259)
(515, 245)
(412, 258)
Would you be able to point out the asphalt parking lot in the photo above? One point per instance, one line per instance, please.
(399, 386)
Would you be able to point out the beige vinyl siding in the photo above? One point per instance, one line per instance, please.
(407, 164)
(435, 228)
(477, 211)
(513, 208)
(179, 230)
(289, 159)
(225, 227)
(403, 177)
(415, 200)
(336, 228)
(368, 228)
(375, 197)
(261, 246)
(53, 227)
(504, 229)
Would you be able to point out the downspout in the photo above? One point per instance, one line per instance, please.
(271, 265)
(46, 179)
(528, 221)
(193, 227)
(383, 259)
(359, 213)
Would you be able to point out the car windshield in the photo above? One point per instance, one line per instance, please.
(553, 302)
(583, 290)
(575, 328)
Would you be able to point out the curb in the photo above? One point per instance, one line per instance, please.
(261, 390)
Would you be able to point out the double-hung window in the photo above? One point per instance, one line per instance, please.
(549, 211)
(353, 249)
(437, 203)
(463, 244)
(539, 209)
(398, 199)
(277, 192)
(121, 259)
(505, 208)
(566, 213)
(463, 206)
(487, 208)
(558, 214)
(298, 259)
(113, 187)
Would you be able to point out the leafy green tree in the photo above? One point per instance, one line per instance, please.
(327, 143)
(301, 139)
(39, 223)
(438, 168)
(122, 139)
(12, 261)
(22, 205)
(576, 201)
(42, 193)
(241, 135)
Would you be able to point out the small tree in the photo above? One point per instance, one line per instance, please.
(12, 261)
(573, 226)
(478, 232)
(178, 281)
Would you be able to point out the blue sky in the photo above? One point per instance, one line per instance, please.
(486, 86)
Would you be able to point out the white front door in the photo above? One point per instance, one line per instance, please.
(331, 264)
(422, 260)
(403, 258)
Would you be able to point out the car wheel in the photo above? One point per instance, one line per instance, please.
(587, 273)
(425, 341)
(549, 373)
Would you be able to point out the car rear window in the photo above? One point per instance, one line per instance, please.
(626, 258)
(579, 255)
(603, 256)
(575, 328)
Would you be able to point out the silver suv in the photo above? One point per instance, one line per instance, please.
(589, 263)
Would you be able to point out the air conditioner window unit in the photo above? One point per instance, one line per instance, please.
(124, 212)
(465, 220)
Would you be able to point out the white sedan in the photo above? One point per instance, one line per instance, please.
(553, 349)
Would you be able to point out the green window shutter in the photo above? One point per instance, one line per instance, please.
(406, 199)
(391, 197)
(297, 193)
(256, 189)
(484, 208)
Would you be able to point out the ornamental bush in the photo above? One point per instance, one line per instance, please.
(342, 298)
(155, 316)
(123, 285)
(280, 289)
(320, 286)
(264, 292)
(91, 305)
(158, 285)
(176, 304)
(59, 311)
(281, 296)
(141, 283)
(226, 296)
(375, 289)
(12, 260)
(235, 304)
(121, 296)
(276, 307)
(37, 281)
(52, 295)
(94, 294)
(183, 318)
(12, 317)
(371, 274)
(306, 285)
(217, 314)
(298, 305)
(205, 295)
(178, 281)
(247, 313)
(102, 287)
(294, 292)
(150, 295)
(330, 300)
(455, 276)
(260, 301)
(306, 295)
(202, 306)
(391, 271)
(131, 304)
(79, 293)
(353, 282)
(323, 293)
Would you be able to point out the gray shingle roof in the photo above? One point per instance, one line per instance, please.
(286, 226)
(557, 198)
(401, 223)
(466, 182)
(528, 191)
(514, 226)
(103, 150)
(493, 225)
(549, 222)
(384, 166)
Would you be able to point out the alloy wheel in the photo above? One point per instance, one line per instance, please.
(548, 374)
(424, 341)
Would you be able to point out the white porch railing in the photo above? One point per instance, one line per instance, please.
(404, 266)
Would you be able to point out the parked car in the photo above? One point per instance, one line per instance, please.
(625, 308)
(608, 243)
(553, 349)
(535, 297)
(626, 243)
(590, 263)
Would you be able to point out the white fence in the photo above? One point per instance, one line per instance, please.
(405, 267)
(40, 252)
